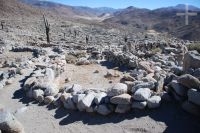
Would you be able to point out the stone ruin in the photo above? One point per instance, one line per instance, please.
(166, 72)
(150, 81)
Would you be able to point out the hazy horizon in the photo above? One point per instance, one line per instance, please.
(117, 4)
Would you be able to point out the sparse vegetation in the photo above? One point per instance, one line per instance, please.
(194, 46)
(2, 24)
(47, 27)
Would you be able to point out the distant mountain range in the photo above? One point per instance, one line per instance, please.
(162, 19)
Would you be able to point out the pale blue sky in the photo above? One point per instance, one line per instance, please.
(150, 4)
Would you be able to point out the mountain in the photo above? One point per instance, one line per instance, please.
(10, 8)
(70, 10)
(162, 20)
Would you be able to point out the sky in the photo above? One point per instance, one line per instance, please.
(150, 4)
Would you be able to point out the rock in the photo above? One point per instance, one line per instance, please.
(149, 85)
(159, 85)
(194, 96)
(139, 105)
(154, 102)
(129, 84)
(191, 60)
(99, 98)
(117, 89)
(189, 81)
(49, 74)
(148, 79)
(122, 108)
(77, 97)
(49, 99)
(177, 70)
(176, 96)
(132, 64)
(86, 102)
(76, 88)
(165, 97)
(57, 102)
(121, 99)
(142, 94)
(37, 93)
(9, 124)
(178, 88)
(67, 88)
(197, 73)
(51, 90)
(128, 78)
(64, 96)
(103, 109)
(69, 104)
(169, 78)
(40, 98)
(146, 66)
(29, 83)
(191, 108)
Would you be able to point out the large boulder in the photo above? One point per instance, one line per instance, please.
(142, 94)
(194, 96)
(117, 89)
(121, 99)
(189, 81)
(191, 60)
(9, 124)
(139, 105)
(154, 102)
(178, 88)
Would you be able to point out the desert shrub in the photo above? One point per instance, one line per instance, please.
(194, 46)
(156, 50)
(70, 59)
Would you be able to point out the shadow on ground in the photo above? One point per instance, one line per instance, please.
(176, 120)
(110, 65)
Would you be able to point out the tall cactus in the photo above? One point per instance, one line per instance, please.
(47, 27)
(2, 24)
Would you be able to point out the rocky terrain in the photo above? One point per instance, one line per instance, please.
(91, 78)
